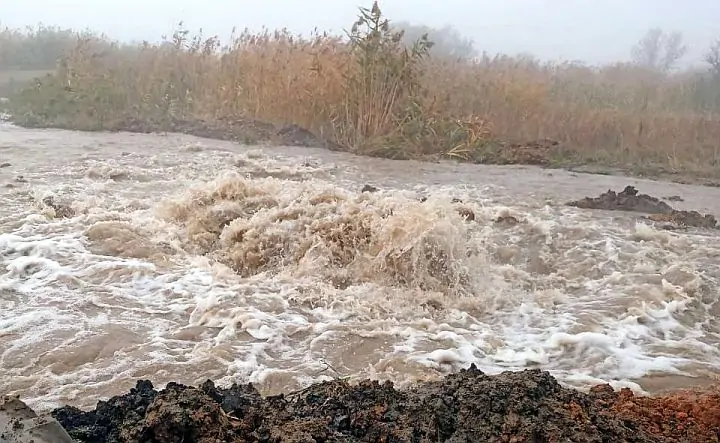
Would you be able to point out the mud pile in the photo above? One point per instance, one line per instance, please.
(658, 210)
(528, 406)
(537, 152)
(680, 416)
(246, 131)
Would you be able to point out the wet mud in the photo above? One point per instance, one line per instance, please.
(537, 152)
(245, 131)
(658, 211)
(528, 406)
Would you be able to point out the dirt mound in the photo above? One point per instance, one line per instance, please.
(248, 131)
(630, 200)
(537, 152)
(528, 406)
(691, 416)
(114, 420)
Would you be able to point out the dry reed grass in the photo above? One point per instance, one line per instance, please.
(371, 95)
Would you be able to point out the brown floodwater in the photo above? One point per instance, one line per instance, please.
(176, 258)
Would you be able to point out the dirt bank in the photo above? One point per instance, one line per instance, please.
(544, 153)
(528, 406)
(247, 131)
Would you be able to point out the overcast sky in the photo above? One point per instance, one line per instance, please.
(590, 30)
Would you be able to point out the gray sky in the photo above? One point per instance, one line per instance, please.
(590, 30)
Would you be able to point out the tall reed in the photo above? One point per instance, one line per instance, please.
(371, 94)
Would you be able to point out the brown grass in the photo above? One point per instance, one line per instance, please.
(370, 95)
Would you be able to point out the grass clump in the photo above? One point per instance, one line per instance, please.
(370, 92)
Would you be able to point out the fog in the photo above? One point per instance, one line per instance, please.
(588, 30)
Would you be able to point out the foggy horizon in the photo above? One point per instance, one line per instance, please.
(571, 30)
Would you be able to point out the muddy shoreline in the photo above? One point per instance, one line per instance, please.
(527, 406)
(254, 132)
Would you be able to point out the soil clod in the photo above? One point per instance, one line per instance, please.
(659, 211)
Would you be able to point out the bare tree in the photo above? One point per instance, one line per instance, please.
(659, 50)
(447, 41)
(712, 57)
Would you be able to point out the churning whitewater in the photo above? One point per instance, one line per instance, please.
(175, 258)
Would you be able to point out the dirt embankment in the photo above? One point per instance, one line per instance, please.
(250, 131)
(544, 152)
(528, 406)
(247, 131)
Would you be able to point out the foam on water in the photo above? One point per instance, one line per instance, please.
(274, 271)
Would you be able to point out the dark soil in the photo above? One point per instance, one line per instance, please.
(683, 416)
(658, 210)
(245, 131)
(537, 152)
(528, 406)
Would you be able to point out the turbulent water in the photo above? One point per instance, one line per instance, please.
(176, 258)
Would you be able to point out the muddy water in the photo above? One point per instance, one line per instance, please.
(185, 259)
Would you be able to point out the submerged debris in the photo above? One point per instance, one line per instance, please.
(467, 214)
(506, 220)
(630, 200)
(61, 210)
(468, 406)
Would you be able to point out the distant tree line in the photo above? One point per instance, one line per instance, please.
(40, 47)
(660, 51)
(447, 41)
(35, 48)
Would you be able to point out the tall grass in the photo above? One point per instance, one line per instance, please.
(370, 93)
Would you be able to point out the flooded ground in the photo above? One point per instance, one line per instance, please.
(174, 258)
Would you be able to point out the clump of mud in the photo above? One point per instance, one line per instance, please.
(528, 406)
(658, 210)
